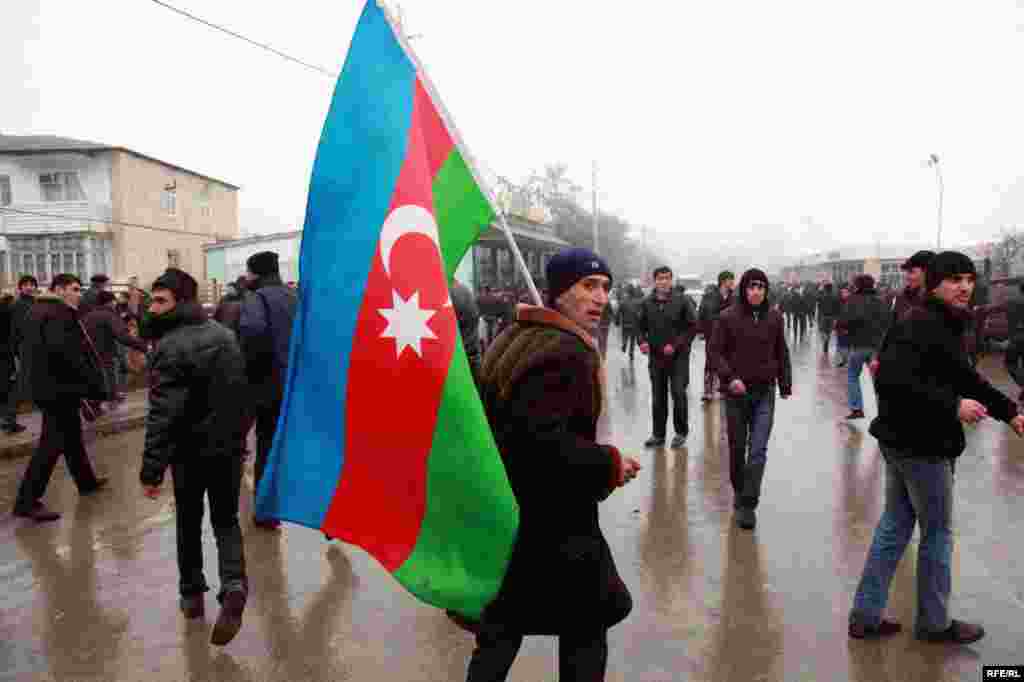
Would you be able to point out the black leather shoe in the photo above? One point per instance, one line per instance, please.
(101, 483)
(654, 442)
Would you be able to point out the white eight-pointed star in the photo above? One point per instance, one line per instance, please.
(407, 323)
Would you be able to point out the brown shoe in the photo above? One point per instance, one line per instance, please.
(958, 632)
(193, 606)
(39, 513)
(229, 622)
(883, 629)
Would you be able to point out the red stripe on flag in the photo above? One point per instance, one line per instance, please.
(393, 391)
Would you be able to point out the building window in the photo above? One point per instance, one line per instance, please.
(63, 186)
(169, 201)
(173, 258)
(69, 262)
(55, 263)
(80, 265)
(41, 266)
(5, 190)
(27, 264)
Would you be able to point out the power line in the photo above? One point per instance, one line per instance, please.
(57, 216)
(260, 45)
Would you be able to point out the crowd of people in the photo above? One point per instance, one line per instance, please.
(540, 374)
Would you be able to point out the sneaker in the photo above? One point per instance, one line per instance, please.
(229, 621)
(746, 518)
(958, 632)
(654, 442)
(193, 606)
(883, 629)
(101, 483)
(39, 513)
(678, 441)
(13, 428)
(267, 524)
(855, 414)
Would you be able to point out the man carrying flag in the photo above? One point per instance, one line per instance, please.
(543, 394)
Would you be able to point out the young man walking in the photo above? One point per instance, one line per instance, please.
(27, 289)
(864, 317)
(626, 318)
(62, 371)
(752, 360)
(712, 305)
(194, 427)
(828, 313)
(665, 328)
(926, 388)
(265, 330)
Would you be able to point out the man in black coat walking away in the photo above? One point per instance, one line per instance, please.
(194, 426)
(8, 371)
(627, 316)
(543, 393)
(665, 328)
(712, 305)
(90, 299)
(265, 331)
(828, 313)
(62, 371)
(864, 318)
(752, 360)
(926, 388)
(107, 330)
(27, 289)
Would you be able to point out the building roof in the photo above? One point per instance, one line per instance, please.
(48, 144)
(255, 239)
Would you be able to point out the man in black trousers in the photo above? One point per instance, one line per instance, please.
(666, 326)
(62, 371)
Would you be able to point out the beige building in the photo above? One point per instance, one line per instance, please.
(73, 206)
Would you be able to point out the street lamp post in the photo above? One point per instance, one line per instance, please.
(933, 161)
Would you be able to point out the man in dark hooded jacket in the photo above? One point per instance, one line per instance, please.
(750, 354)
(194, 426)
(265, 330)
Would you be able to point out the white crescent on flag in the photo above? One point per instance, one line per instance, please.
(407, 219)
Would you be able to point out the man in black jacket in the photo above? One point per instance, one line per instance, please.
(828, 313)
(265, 331)
(665, 328)
(194, 426)
(90, 299)
(107, 330)
(626, 318)
(27, 287)
(751, 357)
(61, 372)
(926, 388)
(864, 317)
(712, 305)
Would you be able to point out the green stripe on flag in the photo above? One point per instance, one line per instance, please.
(470, 523)
(463, 212)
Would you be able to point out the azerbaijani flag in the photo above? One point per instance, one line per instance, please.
(382, 440)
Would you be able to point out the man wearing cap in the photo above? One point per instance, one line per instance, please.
(752, 360)
(265, 330)
(90, 299)
(913, 295)
(926, 388)
(666, 327)
(543, 392)
(712, 305)
(194, 427)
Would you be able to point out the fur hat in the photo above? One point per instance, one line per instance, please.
(180, 283)
(263, 264)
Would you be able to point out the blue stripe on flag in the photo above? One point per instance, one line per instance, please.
(362, 149)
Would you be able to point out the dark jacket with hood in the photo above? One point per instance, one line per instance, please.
(542, 391)
(666, 322)
(922, 376)
(865, 319)
(628, 314)
(828, 305)
(196, 377)
(904, 302)
(265, 331)
(60, 365)
(712, 305)
(749, 342)
(107, 329)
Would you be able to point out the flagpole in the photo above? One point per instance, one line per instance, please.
(470, 160)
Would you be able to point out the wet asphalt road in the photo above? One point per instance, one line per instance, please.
(93, 596)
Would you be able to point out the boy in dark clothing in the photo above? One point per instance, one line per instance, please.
(864, 318)
(665, 328)
(752, 359)
(926, 388)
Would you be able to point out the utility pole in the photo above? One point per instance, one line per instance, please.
(933, 161)
(643, 251)
(595, 209)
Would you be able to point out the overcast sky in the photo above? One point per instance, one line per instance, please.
(717, 122)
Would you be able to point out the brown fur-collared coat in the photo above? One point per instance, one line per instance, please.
(542, 390)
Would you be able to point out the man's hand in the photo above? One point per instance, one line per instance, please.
(737, 387)
(668, 350)
(1017, 423)
(644, 348)
(630, 468)
(971, 411)
(151, 491)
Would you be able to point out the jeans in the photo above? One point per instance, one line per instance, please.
(266, 423)
(219, 478)
(749, 420)
(582, 657)
(671, 373)
(62, 434)
(917, 489)
(857, 359)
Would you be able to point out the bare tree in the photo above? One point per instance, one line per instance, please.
(1007, 251)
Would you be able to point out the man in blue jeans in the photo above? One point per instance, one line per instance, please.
(865, 318)
(749, 352)
(926, 388)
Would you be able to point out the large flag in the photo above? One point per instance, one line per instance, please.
(382, 440)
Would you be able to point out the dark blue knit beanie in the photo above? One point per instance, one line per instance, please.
(570, 266)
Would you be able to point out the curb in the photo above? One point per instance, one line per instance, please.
(90, 434)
